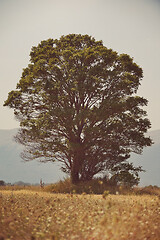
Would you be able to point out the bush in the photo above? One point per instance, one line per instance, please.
(125, 178)
(95, 186)
(149, 190)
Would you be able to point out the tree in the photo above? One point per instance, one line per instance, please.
(125, 174)
(2, 183)
(76, 104)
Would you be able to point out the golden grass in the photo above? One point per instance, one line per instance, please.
(31, 215)
(130, 217)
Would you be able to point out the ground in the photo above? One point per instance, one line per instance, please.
(37, 215)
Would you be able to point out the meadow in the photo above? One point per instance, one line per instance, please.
(34, 214)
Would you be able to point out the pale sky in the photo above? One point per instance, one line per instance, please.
(126, 26)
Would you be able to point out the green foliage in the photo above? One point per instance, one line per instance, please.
(76, 103)
(125, 178)
(125, 174)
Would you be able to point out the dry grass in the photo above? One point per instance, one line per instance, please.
(94, 186)
(133, 218)
(31, 215)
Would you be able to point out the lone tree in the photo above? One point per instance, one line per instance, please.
(76, 104)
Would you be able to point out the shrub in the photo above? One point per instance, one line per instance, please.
(95, 186)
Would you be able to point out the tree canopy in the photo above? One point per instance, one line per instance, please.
(76, 103)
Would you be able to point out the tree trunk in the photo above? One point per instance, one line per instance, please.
(74, 176)
(77, 162)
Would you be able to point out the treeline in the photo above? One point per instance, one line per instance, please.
(19, 183)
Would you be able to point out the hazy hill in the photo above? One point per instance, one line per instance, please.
(13, 169)
(150, 161)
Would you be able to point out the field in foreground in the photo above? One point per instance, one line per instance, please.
(32, 215)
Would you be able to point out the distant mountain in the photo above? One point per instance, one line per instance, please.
(14, 169)
(150, 161)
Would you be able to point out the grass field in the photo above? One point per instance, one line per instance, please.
(36, 215)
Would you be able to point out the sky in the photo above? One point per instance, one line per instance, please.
(126, 26)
